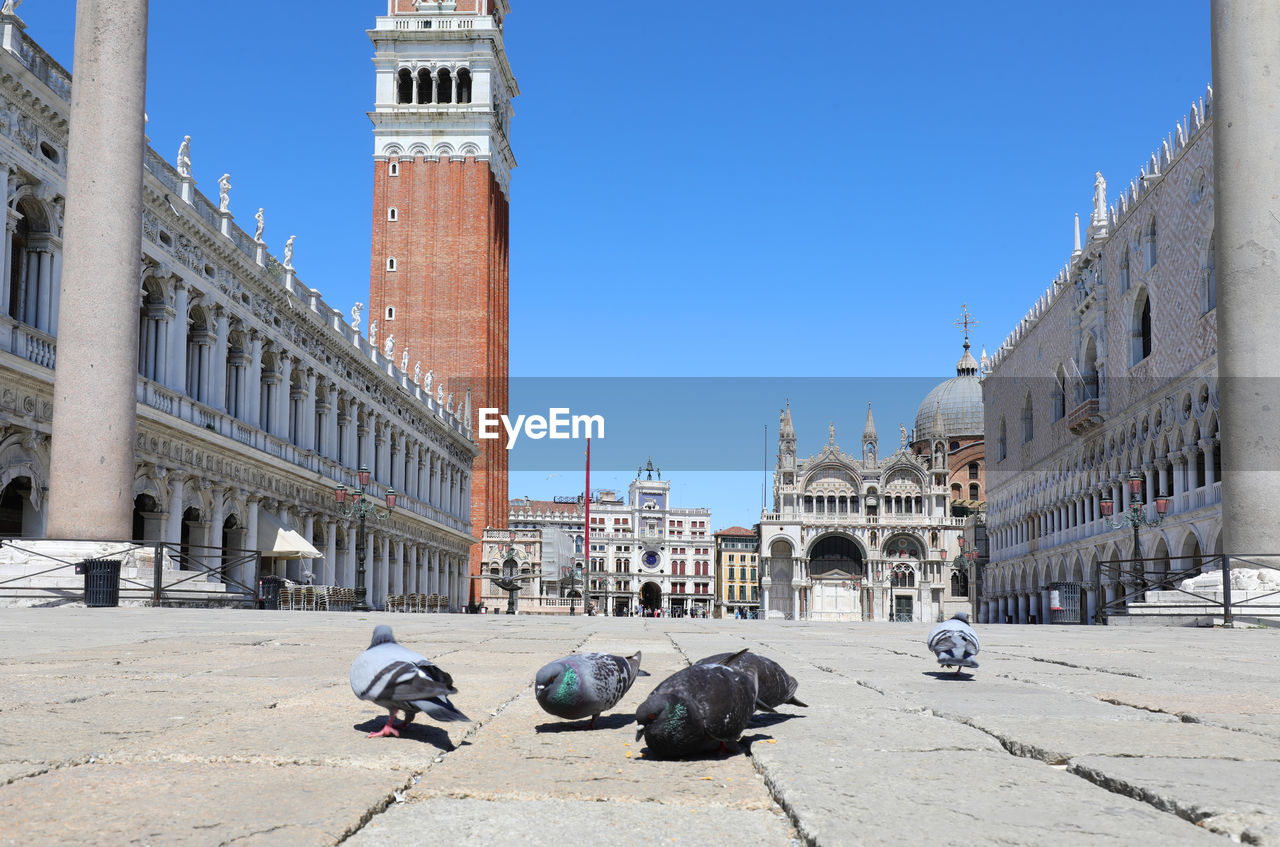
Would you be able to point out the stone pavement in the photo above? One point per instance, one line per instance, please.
(175, 726)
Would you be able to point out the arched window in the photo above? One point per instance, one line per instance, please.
(1124, 271)
(393, 214)
(464, 85)
(1060, 394)
(974, 469)
(959, 584)
(974, 491)
(1140, 330)
(424, 86)
(393, 169)
(1149, 241)
(1002, 443)
(404, 86)
(391, 313)
(1028, 421)
(444, 86)
(1210, 279)
(391, 264)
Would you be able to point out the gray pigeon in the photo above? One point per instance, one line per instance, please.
(585, 684)
(955, 643)
(775, 686)
(398, 679)
(700, 708)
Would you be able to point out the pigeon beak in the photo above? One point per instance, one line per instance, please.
(537, 689)
(639, 733)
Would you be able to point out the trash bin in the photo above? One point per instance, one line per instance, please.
(101, 582)
(269, 591)
(1064, 602)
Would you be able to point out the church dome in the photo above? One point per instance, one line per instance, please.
(953, 408)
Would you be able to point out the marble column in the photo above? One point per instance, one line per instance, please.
(177, 363)
(91, 468)
(329, 576)
(1246, 160)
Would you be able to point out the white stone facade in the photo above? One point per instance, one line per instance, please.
(253, 394)
(1112, 372)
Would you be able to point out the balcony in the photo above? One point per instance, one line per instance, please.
(1084, 417)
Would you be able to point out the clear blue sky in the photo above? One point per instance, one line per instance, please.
(751, 190)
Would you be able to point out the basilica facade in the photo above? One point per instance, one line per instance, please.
(255, 398)
(860, 536)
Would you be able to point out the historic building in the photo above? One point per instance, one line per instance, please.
(1112, 374)
(867, 537)
(644, 555)
(737, 572)
(441, 189)
(255, 397)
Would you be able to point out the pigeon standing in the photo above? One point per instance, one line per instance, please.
(700, 708)
(398, 679)
(955, 643)
(585, 684)
(774, 685)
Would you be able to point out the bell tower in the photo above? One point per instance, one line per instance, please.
(442, 166)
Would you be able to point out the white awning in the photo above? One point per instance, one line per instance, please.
(276, 540)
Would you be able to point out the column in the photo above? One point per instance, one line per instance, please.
(348, 577)
(91, 468)
(331, 423)
(173, 521)
(384, 567)
(218, 390)
(330, 569)
(252, 389)
(1210, 469)
(308, 425)
(316, 566)
(44, 303)
(218, 514)
(283, 392)
(251, 531)
(6, 270)
(177, 379)
(397, 568)
(1246, 100)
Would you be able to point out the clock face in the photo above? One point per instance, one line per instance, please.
(650, 559)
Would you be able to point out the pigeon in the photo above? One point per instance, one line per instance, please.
(955, 643)
(585, 684)
(775, 686)
(398, 679)
(698, 709)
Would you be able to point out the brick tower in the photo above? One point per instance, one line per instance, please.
(442, 172)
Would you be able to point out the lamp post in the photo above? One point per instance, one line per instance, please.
(362, 506)
(1136, 517)
(975, 585)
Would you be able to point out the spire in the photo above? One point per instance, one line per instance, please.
(1075, 243)
(870, 431)
(939, 426)
(869, 439)
(785, 427)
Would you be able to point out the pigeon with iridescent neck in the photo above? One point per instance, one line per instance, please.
(774, 685)
(699, 709)
(585, 684)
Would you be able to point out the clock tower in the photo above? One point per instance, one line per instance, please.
(441, 177)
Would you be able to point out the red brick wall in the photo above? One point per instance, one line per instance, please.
(450, 293)
(464, 6)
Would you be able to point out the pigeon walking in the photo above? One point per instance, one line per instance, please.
(398, 679)
(585, 684)
(700, 708)
(955, 643)
(774, 685)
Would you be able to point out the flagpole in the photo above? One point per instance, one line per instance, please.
(586, 535)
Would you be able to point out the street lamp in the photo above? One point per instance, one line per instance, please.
(361, 506)
(1135, 516)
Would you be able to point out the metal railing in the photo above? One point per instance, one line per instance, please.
(1136, 579)
(47, 570)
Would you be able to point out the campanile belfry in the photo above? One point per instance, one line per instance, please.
(442, 173)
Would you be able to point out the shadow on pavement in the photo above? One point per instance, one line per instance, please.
(602, 722)
(734, 748)
(422, 733)
(950, 676)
